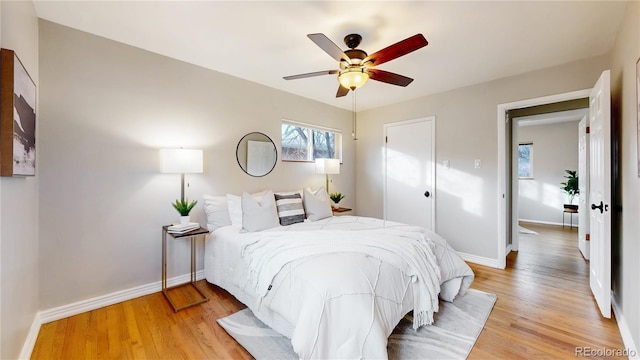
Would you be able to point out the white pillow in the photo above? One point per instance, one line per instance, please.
(317, 204)
(215, 207)
(234, 202)
(259, 214)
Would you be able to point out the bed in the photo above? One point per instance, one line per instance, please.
(336, 286)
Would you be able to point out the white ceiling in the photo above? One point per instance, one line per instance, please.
(469, 41)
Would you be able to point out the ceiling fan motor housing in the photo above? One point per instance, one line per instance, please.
(356, 56)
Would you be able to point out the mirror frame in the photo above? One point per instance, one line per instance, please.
(243, 141)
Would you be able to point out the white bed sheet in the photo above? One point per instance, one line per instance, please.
(224, 266)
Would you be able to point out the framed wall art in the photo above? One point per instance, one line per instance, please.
(17, 117)
(638, 108)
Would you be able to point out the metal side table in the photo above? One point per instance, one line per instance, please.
(192, 235)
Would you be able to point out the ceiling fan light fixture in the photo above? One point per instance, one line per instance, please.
(353, 77)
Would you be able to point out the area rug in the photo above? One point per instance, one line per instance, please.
(524, 230)
(455, 330)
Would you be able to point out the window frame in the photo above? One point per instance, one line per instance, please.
(311, 128)
(530, 144)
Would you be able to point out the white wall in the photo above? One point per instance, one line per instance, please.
(106, 109)
(626, 245)
(555, 149)
(466, 198)
(19, 277)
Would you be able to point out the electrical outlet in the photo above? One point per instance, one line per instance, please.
(446, 164)
(478, 164)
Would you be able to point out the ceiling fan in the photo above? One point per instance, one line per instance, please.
(356, 66)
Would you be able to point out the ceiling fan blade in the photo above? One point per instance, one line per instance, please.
(329, 47)
(317, 73)
(396, 50)
(342, 91)
(389, 77)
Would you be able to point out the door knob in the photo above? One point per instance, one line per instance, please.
(427, 193)
(601, 207)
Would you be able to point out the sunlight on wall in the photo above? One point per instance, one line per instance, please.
(405, 169)
(466, 187)
(548, 194)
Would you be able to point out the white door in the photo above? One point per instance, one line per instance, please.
(583, 185)
(410, 172)
(600, 193)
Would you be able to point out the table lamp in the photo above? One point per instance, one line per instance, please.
(326, 167)
(181, 161)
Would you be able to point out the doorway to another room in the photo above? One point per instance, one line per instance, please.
(546, 169)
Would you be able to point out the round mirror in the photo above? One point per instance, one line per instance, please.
(256, 154)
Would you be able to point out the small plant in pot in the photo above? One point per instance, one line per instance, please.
(336, 197)
(184, 207)
(570, 187)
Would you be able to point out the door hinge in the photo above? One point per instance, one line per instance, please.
(586, 237)
(386, 139)
(588, 130)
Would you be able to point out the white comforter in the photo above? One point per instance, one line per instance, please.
(344, 291)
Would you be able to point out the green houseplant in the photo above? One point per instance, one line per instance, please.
(184, 207)
(336, 197)
(570, 187)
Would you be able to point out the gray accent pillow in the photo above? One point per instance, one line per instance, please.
(290, 210)
(259, 214)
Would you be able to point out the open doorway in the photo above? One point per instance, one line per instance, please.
(507, 163)
(545, 154)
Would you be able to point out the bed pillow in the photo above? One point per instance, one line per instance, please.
(216, 209)
(316, 204)
(234, 202)
(290, 210)
(259, 214)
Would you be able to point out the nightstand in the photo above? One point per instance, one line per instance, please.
(340, 211)
(191, 235)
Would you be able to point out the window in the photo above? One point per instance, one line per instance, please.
(525, 161)
(303, 142)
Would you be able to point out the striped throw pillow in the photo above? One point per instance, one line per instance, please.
(290, 210)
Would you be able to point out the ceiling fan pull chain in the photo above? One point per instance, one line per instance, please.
(354, 123)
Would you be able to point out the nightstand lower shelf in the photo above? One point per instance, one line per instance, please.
(201, 297)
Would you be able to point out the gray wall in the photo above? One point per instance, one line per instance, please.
(626, 244)
(106, 109)
(466, 129)
(19, 202)
(555, 148)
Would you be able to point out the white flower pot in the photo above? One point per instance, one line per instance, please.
(184, 220)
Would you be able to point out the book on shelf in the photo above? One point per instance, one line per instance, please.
(182, 228)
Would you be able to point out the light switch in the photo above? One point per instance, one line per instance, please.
(446, 164)
(478, 164)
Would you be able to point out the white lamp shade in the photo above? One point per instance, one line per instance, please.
(327, 166)
(180, 161)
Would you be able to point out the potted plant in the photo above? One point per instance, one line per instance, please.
(184, 207)
(336, 197)
(570, 187)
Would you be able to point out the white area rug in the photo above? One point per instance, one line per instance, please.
(524, 230)
(452, 336)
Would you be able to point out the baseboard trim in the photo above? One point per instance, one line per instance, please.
(480, 260)
(547, 223)
(61, 312)
(32, 336)
(625, 333)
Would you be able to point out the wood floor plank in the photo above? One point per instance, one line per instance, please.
(544, 310)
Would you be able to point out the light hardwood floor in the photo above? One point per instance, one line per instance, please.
(544, 311)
